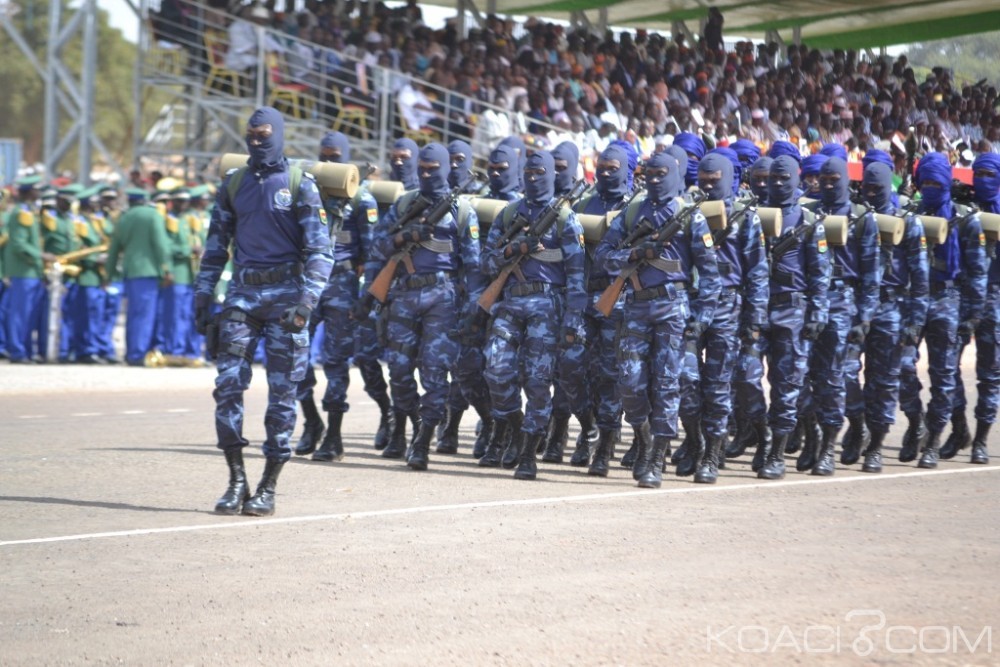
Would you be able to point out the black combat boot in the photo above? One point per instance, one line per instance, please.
(688, 463)
(763, 443)
(708, 469)
(332, 448)
(914, 438)
(959, 439)
(448, 435)
(643, 443)
(262, 502)
(421, 446)
(397, 440)
(558, 436)
(810, 443)
(652, 476)
(238, 491)
(678, 454)
(485, 429)
(630, 455)
(929, 455)
(585, 441)
(386, 423)
(312, 429)
(825, 463)
(746, 437)
(527, 462)
(614, 443)
(856, 440)
(503, 430)
(795, 439)
(605, 445)
(774, 464)
(980, 454)
(873, 455)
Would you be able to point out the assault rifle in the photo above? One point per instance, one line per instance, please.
(420, 211)
(785, 243)
(548, 217)
(644, 231)
(738, 216)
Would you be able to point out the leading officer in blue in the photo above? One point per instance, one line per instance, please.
(270, 213)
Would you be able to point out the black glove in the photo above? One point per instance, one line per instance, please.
(362, 308)
(412, 234)
(694, 329)
(202, 313)
(522, 245)
(647, 250)
(966, 329)
(295, 318)
(812, 330)
(911, 336)
(858, 333)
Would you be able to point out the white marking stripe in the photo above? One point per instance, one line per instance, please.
(133, 412)
(32, 417)
(179, 410)
(693, 488)
(86, 414)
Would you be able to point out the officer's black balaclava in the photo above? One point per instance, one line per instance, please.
(761, 166)
(568, 151)
(517, 143)
(460, 173)
(694, 145)
(540, 189)
(615, 185)
(407, 173)
(661, 190)
(876, 184)
(268, 153)
(338, 141)
(782, 182)
(723, 190)
(434, 183)
(505, 182)
(839, 194)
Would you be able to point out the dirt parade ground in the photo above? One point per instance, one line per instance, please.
(110, 554)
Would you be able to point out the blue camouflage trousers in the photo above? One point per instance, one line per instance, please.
(987, 362)
(883, 359)
(521, 356)
(711, 398)
(826, 363)
(748, 378)
(587, 374)
(419, 322)
(787, 363)
(651, 353)
(249, 314)
(941, 337)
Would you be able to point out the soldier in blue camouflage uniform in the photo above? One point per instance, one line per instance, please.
(741, 311)
(798, 305)
(424, 302)
(403, 163)
(899, 318)
(986, 185)
(545, 296)
(853, 298)
(281, 256)
(657, 312)
(350, 222)
(958, 269)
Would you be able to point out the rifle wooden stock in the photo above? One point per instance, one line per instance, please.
(609, 297)
(383, 281)
(493, 291)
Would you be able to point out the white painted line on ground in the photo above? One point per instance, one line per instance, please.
(248, 522)
(86, 414)
(179, 410)
(133, 412)
(32, 416)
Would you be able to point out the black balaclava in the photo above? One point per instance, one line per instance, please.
(839, 195)
(723, 190)
(876, 184)
(269, 153)
(783, 181)
(339, 141)
(407, 173)
(762, 165)
(681, 156)
(517, 143)
(568, 151)
(987, 187)
(663, 189)
(692, 145)
(460, 172)
(615, 185)
(540, 189)
(508, 181)
(434, 183)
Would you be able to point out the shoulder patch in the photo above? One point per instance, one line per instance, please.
(26, 218)
(923, 243)
(322, 215)
(707, 240)
(582, 240)
(763, 241)
(372, 216)
(49, 221)
(982, 239)
(172, 225)
(474, 231)
(821, 245)
(82, 230)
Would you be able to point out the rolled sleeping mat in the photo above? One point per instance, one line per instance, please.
(715, 213)
(935, 229)
(770, 221)
(991, 225)
(836, 227)
(487, 210)
(595, 226)
(890, 228)
(386, 192)
(334, 179)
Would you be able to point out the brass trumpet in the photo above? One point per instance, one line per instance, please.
(67, 261)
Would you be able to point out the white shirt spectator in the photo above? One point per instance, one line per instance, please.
(243, 52)
(415, 106)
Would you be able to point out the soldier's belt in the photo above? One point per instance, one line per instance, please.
(549, 255)
(527, 289)
(437, 245)
(668, 290)
(343, 237)
(665, 265)
(271, 276)
(785, 298)
(598, 284)
(421, 280)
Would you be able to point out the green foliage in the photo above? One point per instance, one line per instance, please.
(971, 58)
